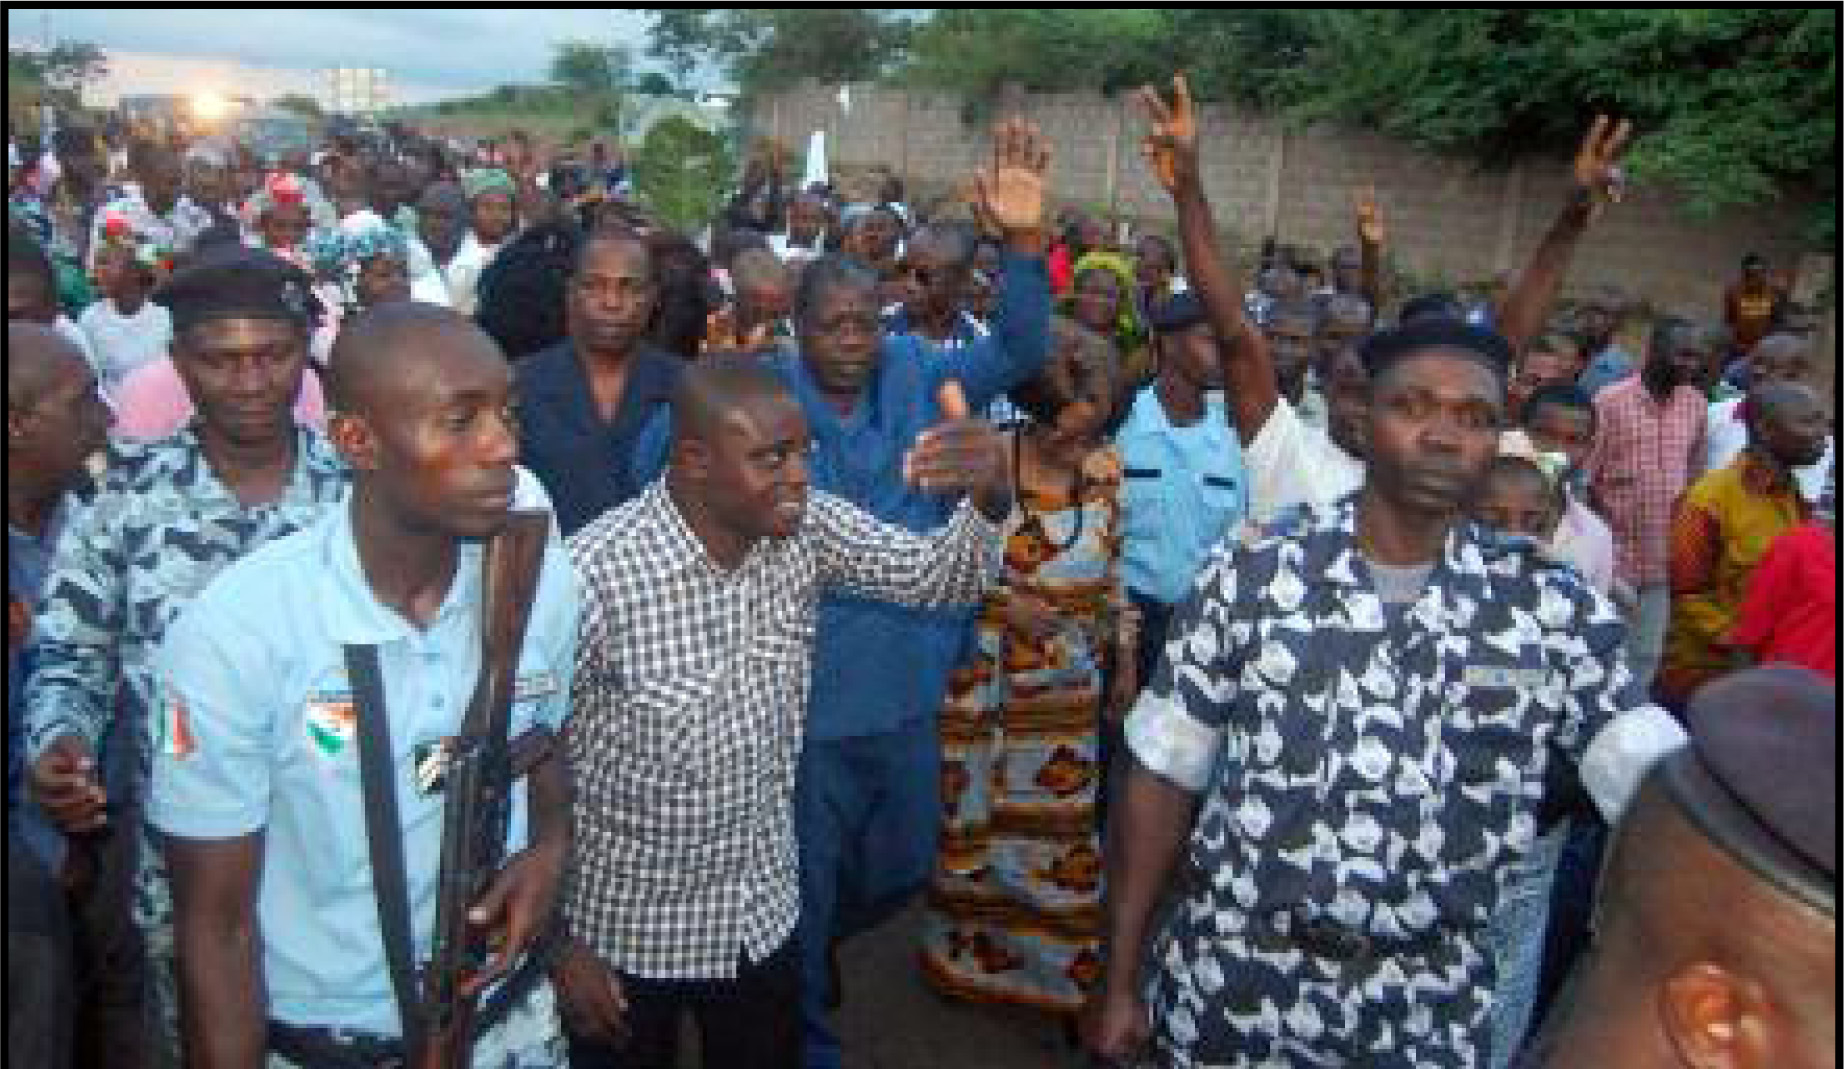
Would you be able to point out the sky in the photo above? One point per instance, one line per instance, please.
(429, 53)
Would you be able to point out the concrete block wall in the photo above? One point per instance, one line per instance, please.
(1447, 218)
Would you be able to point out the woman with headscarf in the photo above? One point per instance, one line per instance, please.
(282, 214)
(1105, 300)
(492, 221)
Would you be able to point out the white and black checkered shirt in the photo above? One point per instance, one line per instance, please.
(689, 705)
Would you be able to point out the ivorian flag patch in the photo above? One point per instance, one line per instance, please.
(180, 743)
(332, 720)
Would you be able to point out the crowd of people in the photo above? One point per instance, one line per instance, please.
(1242, 667)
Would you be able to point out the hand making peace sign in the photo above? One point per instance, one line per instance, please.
(1170, 148)
(1598, 174)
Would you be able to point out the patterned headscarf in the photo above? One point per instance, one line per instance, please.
(281, 188)
(118, 231)
(480, 182)
(338, 254)
(1129, 331)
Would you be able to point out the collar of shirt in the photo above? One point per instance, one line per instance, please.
(673, 543)
(181, 458)
(354, 615)
(1761, 477)
(1330, 552)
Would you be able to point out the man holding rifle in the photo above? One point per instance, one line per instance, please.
(266, 781)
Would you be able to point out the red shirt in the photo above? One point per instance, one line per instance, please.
(1062, 269)
(1791, 612)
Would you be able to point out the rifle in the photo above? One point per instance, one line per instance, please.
(478, 790)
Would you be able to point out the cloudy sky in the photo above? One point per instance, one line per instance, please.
(428, 53)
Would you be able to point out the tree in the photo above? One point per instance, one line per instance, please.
(591, 69)
(681, 171)
(1734, 106)
(768, 48)
(300, 104)
(66, 67)
(655, 84)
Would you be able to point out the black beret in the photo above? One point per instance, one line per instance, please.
(1386, 347)
(1760, 776)
(1180, 311)
(234, 282)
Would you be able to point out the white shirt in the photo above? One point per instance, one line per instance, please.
(1584, 540)
(75, 335)
(793, 254)
(123, 343)
(1727, 435)
(463, 272)
(1291, 463)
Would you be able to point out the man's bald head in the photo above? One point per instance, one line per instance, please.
(709, 393)
(37, 356)
(384, 349)
(1691, 946)
(1780, 358)
(1781, 401)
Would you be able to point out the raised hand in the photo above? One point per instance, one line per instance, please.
(1598, 174)
(1369, 217)
(961, 454)
(1170, 147)
(1011, 191)
(721, 335)
(969, 192)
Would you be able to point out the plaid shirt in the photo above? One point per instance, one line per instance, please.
(688, 710)
(1644, 457)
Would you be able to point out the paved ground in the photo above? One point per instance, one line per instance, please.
(892, 1019)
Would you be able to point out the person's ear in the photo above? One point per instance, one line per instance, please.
(692, 459)
(353, 437)
(1711, 1018)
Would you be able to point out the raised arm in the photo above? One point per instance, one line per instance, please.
(1171, 150)
(1009, 195)
(1370, 250)
(954, 566)
(1599, 181)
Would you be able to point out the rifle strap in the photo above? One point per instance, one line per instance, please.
(384, 833)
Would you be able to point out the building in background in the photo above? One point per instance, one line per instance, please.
(358, 91)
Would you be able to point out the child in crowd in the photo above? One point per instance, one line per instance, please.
(125, 330)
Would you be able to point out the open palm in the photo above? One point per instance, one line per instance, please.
(1011, 191)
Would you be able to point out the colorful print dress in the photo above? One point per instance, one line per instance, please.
(1014, 909)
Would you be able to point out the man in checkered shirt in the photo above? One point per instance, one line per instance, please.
(690, 703)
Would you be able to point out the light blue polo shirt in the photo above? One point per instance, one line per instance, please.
(1185, 488)
(257, 733)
